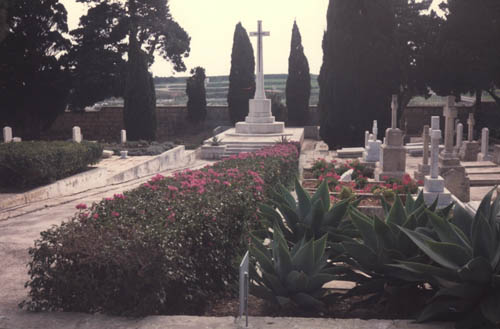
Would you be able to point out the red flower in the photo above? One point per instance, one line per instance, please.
(81, 206)
(115, 214)
(96, 216)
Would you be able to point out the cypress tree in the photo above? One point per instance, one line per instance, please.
(197, 101)
(298, 83)
(139, 111)
(355, 83)
(242, 75)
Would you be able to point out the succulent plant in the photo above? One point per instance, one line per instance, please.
(310, 217)
(287, 275)
(465, 254)
(382, 243)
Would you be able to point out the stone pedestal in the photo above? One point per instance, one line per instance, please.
(259, 119)
(469, 151)
(496, 154)
(434, 189)
(372, 151)
(392, 156)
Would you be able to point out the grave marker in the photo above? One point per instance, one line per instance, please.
(7, 134)
(77, 134)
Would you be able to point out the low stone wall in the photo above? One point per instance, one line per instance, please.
(106, 123)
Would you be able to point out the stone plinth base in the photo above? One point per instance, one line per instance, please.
(469, 151)
(259, 128)
(259, 119)
(444, 197)
(422, 171)
(350, 152)
(392, 162)
(456, 181)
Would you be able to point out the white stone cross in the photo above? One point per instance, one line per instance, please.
(470, 126)
(259, 90)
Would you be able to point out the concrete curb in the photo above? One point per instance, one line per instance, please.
(99, 177)
(60, 320)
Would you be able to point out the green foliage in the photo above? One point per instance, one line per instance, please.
(167, 247)
(195, 90)
(298, 83)
(278, 109)
(465, 254)
(104, 38)
(464, 53)
(382, 243)
(140, 148)
(33, 77)
(139, 110)
(285, 275)
(242, 76)
(311, 217)
(29, 164)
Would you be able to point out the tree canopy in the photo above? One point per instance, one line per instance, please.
(33, 78)
(112, 30)
(465, 53)
(242, 75)
(197, 100)
(298, 83)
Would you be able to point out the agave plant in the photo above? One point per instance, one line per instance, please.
(382, 243)
(310, 217)
(466, 266)
(291, 275)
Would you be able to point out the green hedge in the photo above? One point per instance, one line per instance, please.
(167, 247)
(30, 164)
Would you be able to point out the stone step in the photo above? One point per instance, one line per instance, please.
(478, 164)
(483, 170)
(350, 152)
(484, 179)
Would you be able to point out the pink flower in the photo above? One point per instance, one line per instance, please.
(108, 199)
(81, 206)
(96, 216)
(115, 214)
(119, 196)
(84, 215)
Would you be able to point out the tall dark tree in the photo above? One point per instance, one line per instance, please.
(357, 60)
(3, 19)
(111, 29)
(197, 98)
(467, 50)
(33, 78)
(242, 75)
(298, 83)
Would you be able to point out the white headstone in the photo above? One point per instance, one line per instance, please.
(435, 122)
(460, 135)
(367, 138)
(7, 134)
(485, 136)
(372, 153)
(123, 136)
(77, 134)
(17, 139)
(347, 176)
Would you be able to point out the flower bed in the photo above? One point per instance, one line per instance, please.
(167, 247)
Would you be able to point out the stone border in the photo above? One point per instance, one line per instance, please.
(99, 177)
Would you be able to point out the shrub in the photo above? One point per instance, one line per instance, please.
(465, 254)
(166, 247)
(29, 164)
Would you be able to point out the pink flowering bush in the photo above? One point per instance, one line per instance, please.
(166, 247)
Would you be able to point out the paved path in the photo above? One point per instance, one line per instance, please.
(17, 234)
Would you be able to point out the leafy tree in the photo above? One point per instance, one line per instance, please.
(465, 53)
(242, 75)
(298, 83)
(33, 79)
(357, 61)
(197, 101)
(136, 28)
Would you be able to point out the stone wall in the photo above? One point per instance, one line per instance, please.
(415, 117)
(106, 123)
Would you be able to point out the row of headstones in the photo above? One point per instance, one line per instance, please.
(77, 135)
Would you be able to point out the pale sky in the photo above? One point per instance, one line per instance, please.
(211, 24)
